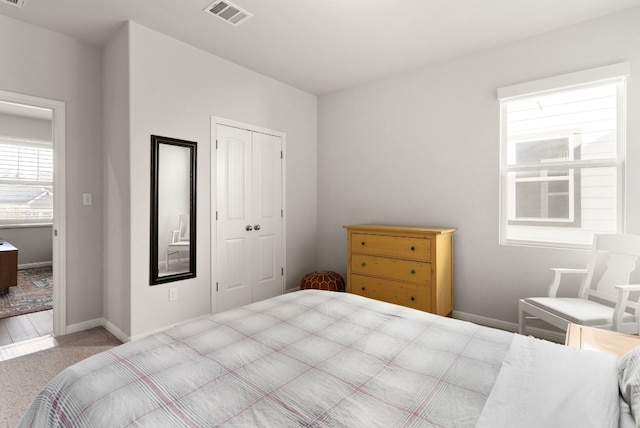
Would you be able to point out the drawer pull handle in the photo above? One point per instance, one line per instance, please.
(363, 264)
(413, 248)
(413, 271)
(362, 288)
(362, 243)
(413, 298)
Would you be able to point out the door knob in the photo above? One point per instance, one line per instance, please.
(256, 227)
(249, 228)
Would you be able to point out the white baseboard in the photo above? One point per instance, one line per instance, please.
(85, 325)
(111, 328)
(34, 265)
(122, 336)
(540, 333)
(486, 321)
(158, 330)
(98, 322)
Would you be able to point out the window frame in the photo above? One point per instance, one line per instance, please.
(566, 236)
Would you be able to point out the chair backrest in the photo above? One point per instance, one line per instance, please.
(184, 227)
(620, 253)
(182, 234)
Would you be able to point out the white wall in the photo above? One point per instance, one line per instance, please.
(152, 84)
(25, 127)
(116, 185)
(44, 64)
(423, 148)
(418, 148)
(175, 88)
(34, 244)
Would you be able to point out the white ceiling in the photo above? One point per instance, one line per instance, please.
(322, 46)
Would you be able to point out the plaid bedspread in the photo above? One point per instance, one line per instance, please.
(305, 359)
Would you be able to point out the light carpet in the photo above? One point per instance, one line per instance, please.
(22, 378)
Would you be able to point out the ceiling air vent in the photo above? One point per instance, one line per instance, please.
(228, 12)
(17, 3)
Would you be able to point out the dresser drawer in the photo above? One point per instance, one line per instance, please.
(411, 295)
(392, 246)
(402, 270)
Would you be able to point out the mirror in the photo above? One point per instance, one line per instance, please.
(173, 210)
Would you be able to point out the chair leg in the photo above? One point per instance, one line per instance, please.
(522, 319)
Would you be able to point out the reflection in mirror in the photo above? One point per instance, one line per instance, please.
(173, 190)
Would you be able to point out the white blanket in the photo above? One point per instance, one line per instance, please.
(324, 359)
(310, 358)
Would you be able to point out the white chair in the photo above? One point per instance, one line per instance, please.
(179, 239)
(603, 300)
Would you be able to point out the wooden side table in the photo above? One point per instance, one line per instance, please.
(597, 339)
(8, 266)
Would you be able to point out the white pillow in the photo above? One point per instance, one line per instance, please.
(543, 384)
(629, 381)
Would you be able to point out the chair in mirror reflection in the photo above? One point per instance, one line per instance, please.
(179, 241)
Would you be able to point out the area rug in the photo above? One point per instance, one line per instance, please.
(33, 293)
(22, 378)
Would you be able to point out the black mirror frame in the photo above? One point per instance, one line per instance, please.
(154, 278)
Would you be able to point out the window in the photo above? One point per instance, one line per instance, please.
(562, 158)
(543, 195)
(26, 181)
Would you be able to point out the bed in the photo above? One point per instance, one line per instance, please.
(326, 359)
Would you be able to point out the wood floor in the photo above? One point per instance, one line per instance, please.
(26, 327)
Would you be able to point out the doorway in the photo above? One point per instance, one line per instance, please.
(248, 206)
(44, 212)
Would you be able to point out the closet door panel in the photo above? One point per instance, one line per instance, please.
(234, 276)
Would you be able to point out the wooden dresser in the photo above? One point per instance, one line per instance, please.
(405, 265)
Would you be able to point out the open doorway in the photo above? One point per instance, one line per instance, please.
(31, 217)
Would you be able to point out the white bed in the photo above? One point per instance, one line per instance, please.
(325, 359)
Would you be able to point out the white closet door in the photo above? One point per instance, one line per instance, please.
(266, 210)
(249, 224)
(233, 249)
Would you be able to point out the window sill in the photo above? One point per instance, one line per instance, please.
(546, 244)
